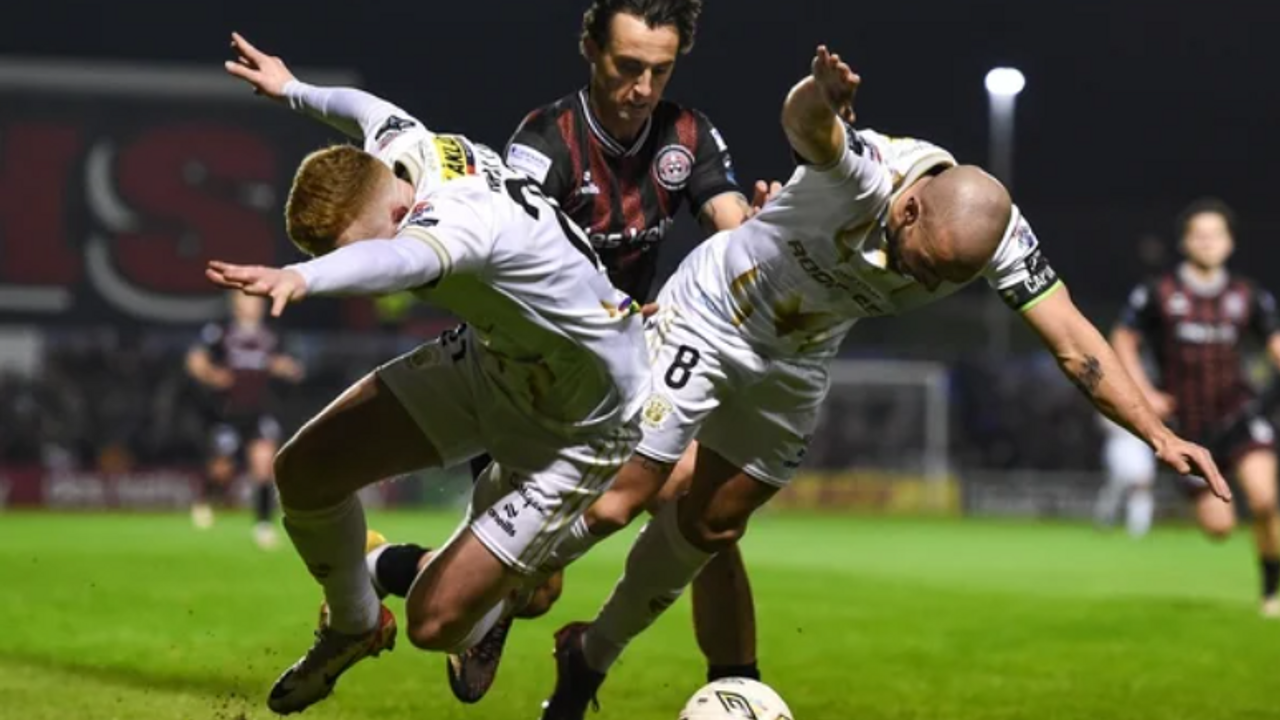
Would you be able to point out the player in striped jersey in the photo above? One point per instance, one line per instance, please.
(1194, 320)
(623, 161)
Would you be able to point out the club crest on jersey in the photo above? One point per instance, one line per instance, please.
(673, 166)
(1233, 306)
(420, 216)
(1179, 304)
(656, 411)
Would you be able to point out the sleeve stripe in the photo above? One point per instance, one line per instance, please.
(1041, 297)
(424, 236)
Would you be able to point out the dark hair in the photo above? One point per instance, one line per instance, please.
(683, 14)
(1201, 206)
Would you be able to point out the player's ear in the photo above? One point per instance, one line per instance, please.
(590, 50)
(911, 210)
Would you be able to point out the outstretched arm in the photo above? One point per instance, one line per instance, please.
(354, 112)
(368, 267)
(1086, 358)
(814, 109)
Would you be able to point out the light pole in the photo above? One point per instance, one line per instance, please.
(1003, 85)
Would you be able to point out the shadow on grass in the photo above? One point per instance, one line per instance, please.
(224, 690)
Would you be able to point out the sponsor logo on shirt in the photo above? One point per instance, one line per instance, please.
(632, 236)
(1040, 278)
(1206, 333)
(673, 166)
(456, 159)
(529, 161)
(861, 294)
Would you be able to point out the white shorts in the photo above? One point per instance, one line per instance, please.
(542, 481)
(757, 413)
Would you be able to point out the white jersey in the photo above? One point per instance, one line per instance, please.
(794, 279)
(565, 343)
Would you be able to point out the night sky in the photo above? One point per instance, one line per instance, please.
(1132, 107)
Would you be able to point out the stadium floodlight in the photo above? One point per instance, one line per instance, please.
(1003, 85)
(1005, 82)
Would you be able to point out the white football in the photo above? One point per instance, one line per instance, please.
(736, 699)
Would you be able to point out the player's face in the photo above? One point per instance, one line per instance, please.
(1207, 241)
(909, 247)
(630, 74)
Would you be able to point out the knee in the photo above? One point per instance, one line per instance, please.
(543, 599)
(287, 467)
(710, 532)
(436, 632)
(1218, 531)
(1262, 508)
(612, 512)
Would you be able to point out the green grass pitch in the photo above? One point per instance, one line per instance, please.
(135, 617)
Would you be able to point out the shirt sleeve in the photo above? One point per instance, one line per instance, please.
(1019, 271)
(210, 337)
(1263, 320)
(712, 173)
(371, 267)
(1141, 311)
(457, 229)
(537, 150)
(356, 113)
(859, 167)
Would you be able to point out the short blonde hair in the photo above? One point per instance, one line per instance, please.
(329, 190)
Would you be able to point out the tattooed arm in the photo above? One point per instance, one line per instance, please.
(1088, 361)
(725, 211)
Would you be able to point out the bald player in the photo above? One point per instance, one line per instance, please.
(746, 329)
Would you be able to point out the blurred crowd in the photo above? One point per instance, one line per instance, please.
(113, 401)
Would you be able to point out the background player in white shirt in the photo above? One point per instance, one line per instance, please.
(548, 378)
(746, 328)
(1130, 476)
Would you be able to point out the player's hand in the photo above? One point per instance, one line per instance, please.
(1187, 458)
(1163, 403)
(266, 73)
(838, 82)
(282, 286)
(648, 310)
(763, 193)
(286, 368)
(220, 378)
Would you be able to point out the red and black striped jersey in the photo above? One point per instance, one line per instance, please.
(1194, 330)
(624, 195)
(247, 351)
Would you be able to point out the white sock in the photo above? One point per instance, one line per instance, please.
(661, 564)
(575, 543)
(1138, 514)
(1109, 499)
(331, 543)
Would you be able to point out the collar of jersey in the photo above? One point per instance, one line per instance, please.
(1201, 287)
(611, 145)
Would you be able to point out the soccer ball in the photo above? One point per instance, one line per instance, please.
(736, 699)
